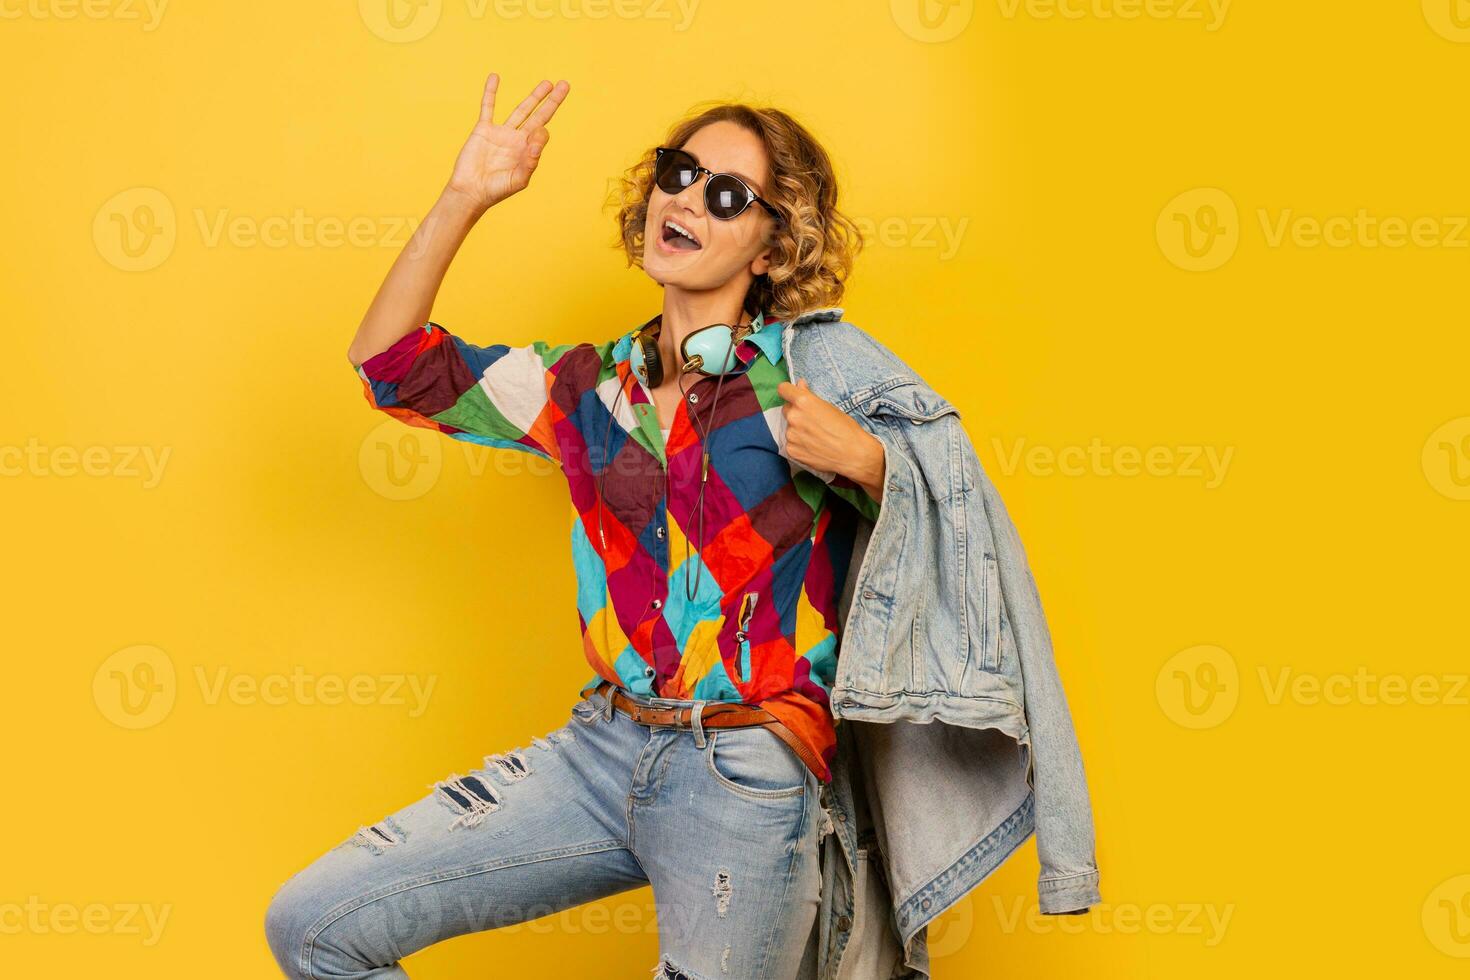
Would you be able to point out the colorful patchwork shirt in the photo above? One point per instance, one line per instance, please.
(776, 540)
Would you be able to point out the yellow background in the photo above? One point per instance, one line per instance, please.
(1066, 155)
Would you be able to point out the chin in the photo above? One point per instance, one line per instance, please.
(657, 268)
(663, 277)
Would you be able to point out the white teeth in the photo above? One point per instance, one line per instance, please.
(681, 230)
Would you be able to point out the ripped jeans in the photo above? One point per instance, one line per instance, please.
(725, 831)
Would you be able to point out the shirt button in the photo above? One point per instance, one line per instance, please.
(659, 531)
(658, 603)
(693, 397)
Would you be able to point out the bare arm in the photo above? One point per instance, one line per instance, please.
(497, 161)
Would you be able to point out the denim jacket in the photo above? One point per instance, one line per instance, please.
(955, 742)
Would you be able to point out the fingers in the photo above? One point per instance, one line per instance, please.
(547, 109)
(523, 110)
(487, 101)
(791, 392)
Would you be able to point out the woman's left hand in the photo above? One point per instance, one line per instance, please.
(821, 436)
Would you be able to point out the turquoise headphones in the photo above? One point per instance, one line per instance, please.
(709, 350)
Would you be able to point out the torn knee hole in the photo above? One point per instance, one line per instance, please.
(511, 766)
(470, 798)
(722, 890)
(666, 970)
(380, 836)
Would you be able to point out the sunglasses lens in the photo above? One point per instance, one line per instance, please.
(725, 196)
(674, 172)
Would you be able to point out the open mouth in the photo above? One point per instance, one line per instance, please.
(679, 238)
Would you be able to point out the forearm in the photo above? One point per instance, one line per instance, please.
(406, 297)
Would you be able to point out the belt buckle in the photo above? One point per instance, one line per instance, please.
(673, 705)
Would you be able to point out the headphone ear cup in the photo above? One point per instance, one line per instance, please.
(653, 363)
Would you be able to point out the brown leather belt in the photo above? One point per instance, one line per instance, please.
(715, 714)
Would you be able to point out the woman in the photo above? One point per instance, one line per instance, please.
(716, 503)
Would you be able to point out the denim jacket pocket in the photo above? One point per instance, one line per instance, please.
(990, 633)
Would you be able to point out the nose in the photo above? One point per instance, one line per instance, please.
(691, 198)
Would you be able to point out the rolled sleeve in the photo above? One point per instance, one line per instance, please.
(497, 396)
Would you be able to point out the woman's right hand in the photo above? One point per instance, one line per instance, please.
(499, 158)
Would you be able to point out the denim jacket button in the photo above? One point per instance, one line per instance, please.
(844, 923)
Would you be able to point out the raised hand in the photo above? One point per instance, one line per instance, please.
(498, 158)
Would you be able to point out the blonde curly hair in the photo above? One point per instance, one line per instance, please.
(812, 249)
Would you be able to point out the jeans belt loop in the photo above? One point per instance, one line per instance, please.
(696, 717)
(607, 695)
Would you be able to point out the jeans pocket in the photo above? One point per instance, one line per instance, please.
(754, 762)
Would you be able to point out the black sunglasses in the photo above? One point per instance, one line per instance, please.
(726, 196)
